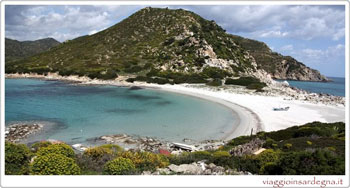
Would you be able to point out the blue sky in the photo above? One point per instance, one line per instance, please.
(314, 35)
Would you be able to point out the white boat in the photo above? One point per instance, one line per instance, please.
(281, 109)
(184, 146)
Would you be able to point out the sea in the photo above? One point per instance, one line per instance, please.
(336, 87)
(79, 113)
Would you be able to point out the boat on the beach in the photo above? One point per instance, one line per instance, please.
(281, 109)
(184, 147)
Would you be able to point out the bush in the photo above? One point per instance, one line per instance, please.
(320, 162)
(97, 153)
(63, 149)
(221, 158)
(270, 143)
(246, 81)
(287, 146)
(54, 164)
(189, 157)
(38, 145)
(115, 148)
(17, 158)
(146, 160)
(256, 86)
(215, 82)
(119, 166)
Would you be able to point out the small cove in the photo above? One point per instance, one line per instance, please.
(82, 112)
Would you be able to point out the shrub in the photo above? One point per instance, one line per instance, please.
(54, 164)
(119, 166)
(270, 143)
(63, 149)
(287, 146)
(115, 148)
(256, 86)
(221, 158)
(38, 145)
(97, 153)
(190, 157)
(215, 82)
(17, 158)
(242, 81)
(146, 160)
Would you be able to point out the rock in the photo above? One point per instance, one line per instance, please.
(186, 168)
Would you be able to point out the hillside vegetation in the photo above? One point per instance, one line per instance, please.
(15, 50)
(311, 149)
(160, 44)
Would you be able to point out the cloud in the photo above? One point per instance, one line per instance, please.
(61, 22)
(317, 56)
(288, 47)
(298, 22)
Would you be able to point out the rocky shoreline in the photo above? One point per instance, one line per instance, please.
(154, 145)
(19, 131)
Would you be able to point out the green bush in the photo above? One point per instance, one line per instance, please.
(115, 148)
(215, 82)
(242, 81)
(320, 162)
(63, 149)
(270, 143)
(17, 158)
(93, 159)
(38, 145)
(54, 164)
(189, 157)
(256, 86)
(97, 153)
(119, 166)
(288, 146)
(146, 160)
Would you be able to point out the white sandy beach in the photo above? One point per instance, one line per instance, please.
(254, 111)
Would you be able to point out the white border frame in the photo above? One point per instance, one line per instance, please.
(162, 181)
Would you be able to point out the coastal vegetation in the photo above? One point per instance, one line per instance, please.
(311, 149)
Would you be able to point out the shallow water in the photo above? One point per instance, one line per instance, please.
(82, 112)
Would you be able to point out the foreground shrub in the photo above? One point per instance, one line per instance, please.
(146, 160)
(93, 159)
(38, 145)
(17, 158)
(189, 157)
(63, 149)
(54, 164)
(119, 166)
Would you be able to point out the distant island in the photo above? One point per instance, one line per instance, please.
(278, 129)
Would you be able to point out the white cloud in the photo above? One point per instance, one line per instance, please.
(288, 47)
(318, 56)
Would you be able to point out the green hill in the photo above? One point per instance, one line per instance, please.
(15, 49)
(160, 44)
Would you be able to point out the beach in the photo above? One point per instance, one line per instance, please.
(255, 111)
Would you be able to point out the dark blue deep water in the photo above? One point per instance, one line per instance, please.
(82, 112)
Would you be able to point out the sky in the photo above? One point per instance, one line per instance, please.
(314, 35)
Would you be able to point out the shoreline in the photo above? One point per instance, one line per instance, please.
(254, 111)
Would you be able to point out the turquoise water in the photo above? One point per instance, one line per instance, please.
(82, 112)
(336, 87)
